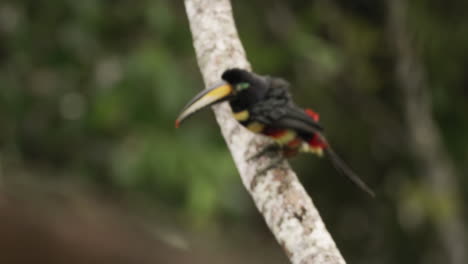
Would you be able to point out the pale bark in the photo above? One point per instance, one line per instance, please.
(425, 138)
(278, 195)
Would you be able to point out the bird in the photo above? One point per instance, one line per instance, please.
(264, 105)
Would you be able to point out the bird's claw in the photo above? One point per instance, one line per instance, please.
(265, 150)
(273, 164)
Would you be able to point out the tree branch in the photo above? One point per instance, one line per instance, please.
(278, 195)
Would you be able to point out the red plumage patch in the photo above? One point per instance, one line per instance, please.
(275, 132)
(314, 115)
(316, 142)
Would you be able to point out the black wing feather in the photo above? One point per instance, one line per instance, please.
(278, 110)
(297, 119)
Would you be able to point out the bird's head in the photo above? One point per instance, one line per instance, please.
(237, 85)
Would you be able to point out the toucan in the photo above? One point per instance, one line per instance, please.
(264, 105)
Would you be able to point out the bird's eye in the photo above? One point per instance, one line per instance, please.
(243, 86)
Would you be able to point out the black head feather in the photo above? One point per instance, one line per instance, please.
(236, 75)
(248, 97)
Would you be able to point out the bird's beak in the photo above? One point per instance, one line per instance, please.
(218, 93)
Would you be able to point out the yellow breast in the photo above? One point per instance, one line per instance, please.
(255, 127)
(242, 115)
(285, 138)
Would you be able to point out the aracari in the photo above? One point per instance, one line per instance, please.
(264, 105)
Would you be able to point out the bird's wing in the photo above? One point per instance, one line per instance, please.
(277, 113)
(278, 110)
(295, 118)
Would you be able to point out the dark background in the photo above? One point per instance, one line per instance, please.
(90, 161)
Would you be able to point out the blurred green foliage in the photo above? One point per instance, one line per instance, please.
(89, 91)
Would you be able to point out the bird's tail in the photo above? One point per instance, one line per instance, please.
(342, 168)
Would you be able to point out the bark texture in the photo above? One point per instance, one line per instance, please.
(278, 195)
(425, 138)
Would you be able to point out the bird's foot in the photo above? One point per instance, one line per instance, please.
(270, 148)
(275, 163)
